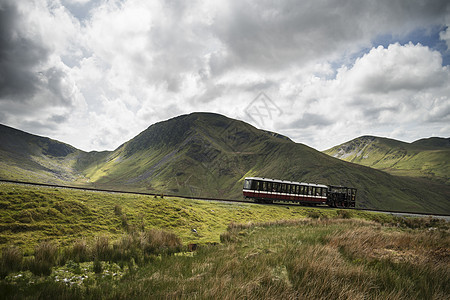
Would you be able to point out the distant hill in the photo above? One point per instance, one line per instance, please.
(428, 158)
(205, 154)
(29, 157)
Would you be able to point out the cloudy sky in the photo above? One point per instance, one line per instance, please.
(95, 73)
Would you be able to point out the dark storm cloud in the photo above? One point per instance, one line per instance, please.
(374, 113)
(28, 82)
(18, 56)
(310, 120)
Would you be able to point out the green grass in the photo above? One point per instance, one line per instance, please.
(29, 215)
(79, 244)
(305, 258)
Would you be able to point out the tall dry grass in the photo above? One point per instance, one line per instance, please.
(11, 260)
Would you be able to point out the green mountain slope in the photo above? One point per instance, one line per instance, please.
(28, 157)
(429, 158)
(25, 156)
(209, 155)
(204, 154)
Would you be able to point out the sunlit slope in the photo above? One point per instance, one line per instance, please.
(27, 157)
(209, 155)
(24, 156)
(429, 158)
(204, 154)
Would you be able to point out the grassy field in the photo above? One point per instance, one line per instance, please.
(74, 244)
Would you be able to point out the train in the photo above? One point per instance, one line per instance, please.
(266, 190)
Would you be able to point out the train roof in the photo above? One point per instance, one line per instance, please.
(286, 181)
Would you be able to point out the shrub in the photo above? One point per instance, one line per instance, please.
(102, 249)
(80, 251)
(124, 220)
(344, 214)
(11, 260)
(227, 237)
(45, 255)
(156, 241)
(97, 266)
(314, 214)
(118, 210)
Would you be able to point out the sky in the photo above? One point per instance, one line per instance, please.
(95, 73)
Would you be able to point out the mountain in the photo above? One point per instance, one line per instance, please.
(28, 157)
(205, 154)
(428, 158)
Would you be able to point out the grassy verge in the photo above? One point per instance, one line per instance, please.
(76, 244)
(306, 259)
(29, 215)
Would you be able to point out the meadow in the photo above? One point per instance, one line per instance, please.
(69, 244)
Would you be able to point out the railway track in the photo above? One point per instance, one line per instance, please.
(401, 213)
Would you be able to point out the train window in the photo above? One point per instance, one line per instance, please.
(310, 190)
(302, 190)
(296, 189)
(324, 192)
(269, 186)
(247, 184)
(318, 191)
(264, 186)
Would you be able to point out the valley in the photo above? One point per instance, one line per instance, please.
(209, 155)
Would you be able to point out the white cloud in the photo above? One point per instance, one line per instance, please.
(401, 87)
(112, 68)
(383, 70)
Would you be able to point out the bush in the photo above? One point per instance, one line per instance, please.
(80, 251)
(118, 210)
(314, 214)
(344, 214)
(156, 241)
(124, 220)
(11, 261)
(45, 255)
(97, 266)
(227, 237)
(102, 250)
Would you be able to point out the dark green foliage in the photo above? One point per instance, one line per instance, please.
(11, 260)
(102, 248)
(45, 256)
(97, 266)
(79, 252)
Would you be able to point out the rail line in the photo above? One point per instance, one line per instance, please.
(419, 214)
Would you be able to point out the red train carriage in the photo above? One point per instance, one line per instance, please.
(264, 190)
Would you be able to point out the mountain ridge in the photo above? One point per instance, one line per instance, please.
(427, 158)
(205, 154)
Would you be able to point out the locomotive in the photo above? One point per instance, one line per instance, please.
(264, 190)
